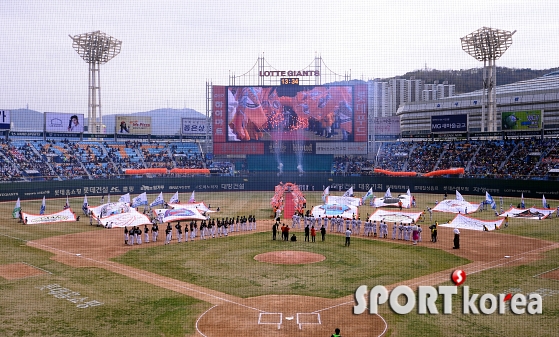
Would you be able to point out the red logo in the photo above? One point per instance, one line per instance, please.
(458, 277)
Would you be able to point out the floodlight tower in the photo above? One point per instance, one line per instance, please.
(95, 48)
(487, 45)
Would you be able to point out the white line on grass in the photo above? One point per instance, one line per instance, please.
(30, 265)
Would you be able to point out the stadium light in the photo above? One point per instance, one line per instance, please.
(487, 45)
(95, 48)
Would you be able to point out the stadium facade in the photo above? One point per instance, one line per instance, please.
(541, 93)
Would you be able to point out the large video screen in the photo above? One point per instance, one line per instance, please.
(290, 114)
(521, 120)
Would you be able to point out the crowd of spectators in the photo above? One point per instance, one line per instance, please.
(503, 159)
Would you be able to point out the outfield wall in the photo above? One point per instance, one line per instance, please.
(267, 182)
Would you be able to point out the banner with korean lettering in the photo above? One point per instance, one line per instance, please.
(361, 124)
(134, 125)
(449, 123)
(194, 127)
(219, 111)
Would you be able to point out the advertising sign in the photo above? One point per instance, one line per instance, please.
(449, 123)
(134, 125)
(4, 119)
(63, 122)
(194, 127)
(521, 120)
(386, 125)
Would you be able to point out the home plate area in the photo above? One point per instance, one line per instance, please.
(300, 319)
(288, 315)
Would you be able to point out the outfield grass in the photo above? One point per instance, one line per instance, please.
(228, 265)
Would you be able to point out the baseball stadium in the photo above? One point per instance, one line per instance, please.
(266, 214)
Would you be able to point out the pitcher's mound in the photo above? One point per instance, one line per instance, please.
(289, 257)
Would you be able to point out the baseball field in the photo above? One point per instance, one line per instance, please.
(73, 279)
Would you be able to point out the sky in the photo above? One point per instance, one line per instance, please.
(172, 48)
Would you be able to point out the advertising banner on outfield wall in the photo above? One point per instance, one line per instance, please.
(386, 125)
(449, 123)
(521, 120)
(63, 122)
(341, 148)
(194, 127)
(134, 125)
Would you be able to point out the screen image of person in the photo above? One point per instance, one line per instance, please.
(124, 127)
(74, 124)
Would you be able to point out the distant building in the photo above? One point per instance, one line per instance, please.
(385, 98)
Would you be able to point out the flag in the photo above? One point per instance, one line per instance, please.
(325, 193)
(158, 201)
(43, 206)
(125, 198)
(522, 204)
(175, 198)
(388, 194)
(17, 209)
(409, 197)
(192, 198)
(140, 200)
(67, 203)
(459, 196)
(544, 202)
(489, 200)
(368, 195)
(348, 193)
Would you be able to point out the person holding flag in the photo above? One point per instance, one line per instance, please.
(17, 210)
(522, 204)
(489, 200)
(544, 202)
(85, 205)
(158, 201)
(67, 205)
(192, 198)
(368, 195)
(43, 206)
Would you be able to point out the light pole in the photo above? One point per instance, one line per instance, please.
(95, 48)
(487, 45)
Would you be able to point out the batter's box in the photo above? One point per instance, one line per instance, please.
(307, 318)
(270, 318)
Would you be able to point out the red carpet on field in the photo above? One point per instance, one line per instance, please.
(288, 206)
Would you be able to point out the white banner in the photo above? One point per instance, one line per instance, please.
(531, 213)
(191, 127)
(466, 222)
(62, 216)
(109, 209)
(343, 200)
(199, 206)
(392, 201)
(179, 214)
(341, 148)
(456, 206)
(63, 122)
(394, 216)
(333, 210)
(131, 218)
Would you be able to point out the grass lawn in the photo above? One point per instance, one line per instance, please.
(228, 265)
